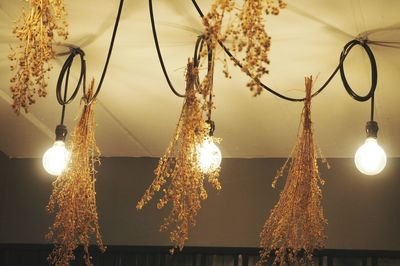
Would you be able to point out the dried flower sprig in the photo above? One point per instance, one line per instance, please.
(214, 19)
(179, 169)
(246, 34)
(296, 225)
(36, 32)
(73, 199)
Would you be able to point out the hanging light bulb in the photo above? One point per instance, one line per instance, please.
(370, 158)
(56, 158)
(209, 156)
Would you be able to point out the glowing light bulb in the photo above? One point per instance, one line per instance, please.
(56, 158)
(370, 158)
(209, 156)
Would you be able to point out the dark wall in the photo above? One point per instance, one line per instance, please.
(4, 165)
(4, 162)
(363, 211)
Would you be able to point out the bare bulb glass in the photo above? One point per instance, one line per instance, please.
(209, 156)
(56, 158)
(370, 158)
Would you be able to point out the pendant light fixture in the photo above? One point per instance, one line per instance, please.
(370, 158)
(208, 154)
(73, 197)
(55, 159)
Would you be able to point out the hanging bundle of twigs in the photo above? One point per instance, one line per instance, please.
(36, 32)
(73, 199)
(179, 169)
(296, 225)
(245, 32)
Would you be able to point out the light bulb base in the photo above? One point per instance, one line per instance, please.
(61, 132)
(372, 129)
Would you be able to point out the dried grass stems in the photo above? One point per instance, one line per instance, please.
(205, 87)
(245, 33)
(296, 225)
(73, 199)
(36, 32)
(178, 170)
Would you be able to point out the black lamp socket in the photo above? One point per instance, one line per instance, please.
(61, 132)
(212, 127)
(372, 129)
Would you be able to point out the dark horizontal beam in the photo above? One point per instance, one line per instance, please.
(210, 250)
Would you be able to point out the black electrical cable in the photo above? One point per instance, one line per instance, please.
(210, 61)
(198, 47)
(372, 107)
(197, 56)
(340, 67)
(66, 68)
(374, 72)
(265, 87)
(374, 75)
(210, 69)
(65, 98)
(103, 74)
(198, 8)
(153, 27)
(65, 71)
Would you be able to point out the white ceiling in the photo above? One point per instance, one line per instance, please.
(137, 113)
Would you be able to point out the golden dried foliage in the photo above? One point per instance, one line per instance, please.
(36, 32)
(245, 32)
(296, 225)
(178, 170)
(205, 87)
(73, 199)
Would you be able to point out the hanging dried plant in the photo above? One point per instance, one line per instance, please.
(179, 169)
(296, 225)
(73, 199)
(246, 33)
(214, 19)
(205, 87)
(36, 32)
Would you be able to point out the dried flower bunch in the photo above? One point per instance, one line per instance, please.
(205, 87)
(246, 33)
(36, 32)
(73, 199)
(178, 170)
(296, 225)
